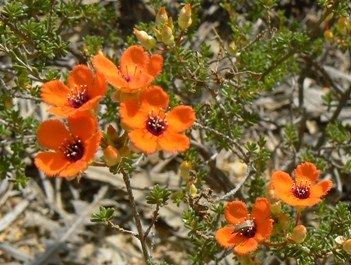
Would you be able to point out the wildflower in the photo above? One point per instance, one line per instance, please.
(299, 234)
(300, 192)
(184, 19)
(73, 148)
(151, 128)
(247, 230)
(136, 70)
(83, 92)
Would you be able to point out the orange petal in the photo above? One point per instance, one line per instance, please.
(133, 59)
(180, 118)
(139, 82)
(80, 76)
(306, 171)
(51, 134)
(91, 146)
(99, 87)
(282, 184)
(51, 163)
(110, 70)
(247, 246)
(154, 67)
(55, 93)
(261, 210)
(83, 125)
(144, 140)
(73, 169)
(154, 98)
(235, 212)
(131, 114)
(90, 104)
(173, 142)
(263, 229)
(321, 188)
(223, 235)
(62, 111)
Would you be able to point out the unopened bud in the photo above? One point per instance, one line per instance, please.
(270, 194)
(341, 25)
(349, 24)
(330, 16)
(167, 35)
(170, 23)
(112, 135)
(145, 39)
(284, 222)
(233, 48)
(111, 156)
(299, 234)
(347, 246)
(158, 34)
(329, 36)
(184, 169)
(276, 207)
(184, 19)
(193, 189)
(161, 18)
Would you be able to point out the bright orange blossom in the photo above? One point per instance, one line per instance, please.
(246, 230)
(300, 192)
(151, 128)
(136, 70)
(73, 149)
(83, 92)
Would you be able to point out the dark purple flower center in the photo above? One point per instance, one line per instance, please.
(156, 124)
(78, 97)
(246, 228)
(301, 190)
(73, 151)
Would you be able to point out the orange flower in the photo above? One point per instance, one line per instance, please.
(300, 192)
(151, 128)
(73, 149)
(136, 70)
(83, 92)
(247, 230)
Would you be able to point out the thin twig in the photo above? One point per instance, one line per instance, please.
(140, 235)
(233, 191)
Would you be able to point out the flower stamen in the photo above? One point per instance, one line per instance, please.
(72, 151)
(301, 190)
(156, 124)
(246, 228)
(78, 96)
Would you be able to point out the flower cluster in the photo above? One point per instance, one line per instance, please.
(143, 110)
(246, 231)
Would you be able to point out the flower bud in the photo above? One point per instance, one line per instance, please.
(270, 194)
(283, 222)
(233, 48)
(158, 34)
(170, 23)
(341, 24)
(329, 36)
(193, 189)
(145, 39)
(299, 234)
(349, 24)
(184, 19)
(167, 35)
(184, 169)
(347, 246)
(112, 135)
(111, 156)
(276, 207)
(161, 18)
